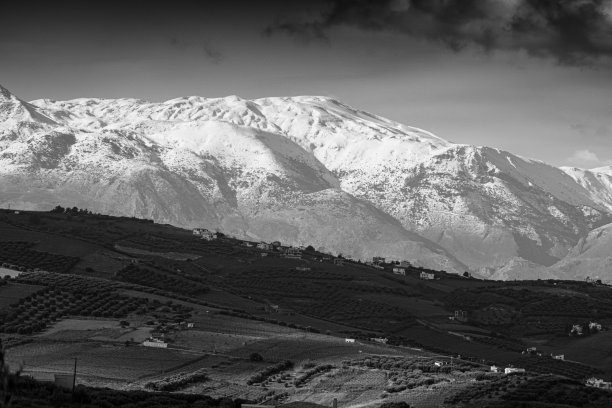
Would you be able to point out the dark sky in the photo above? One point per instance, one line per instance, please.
(530, 76)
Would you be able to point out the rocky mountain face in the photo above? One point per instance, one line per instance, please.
(303, 170)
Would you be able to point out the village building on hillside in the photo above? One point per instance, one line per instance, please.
(205, 234)
(598, 383)
(558, 356)
(294, 251)
(347, 340)
(405, 264)
(264, 246)
(382, 340)
(377, 260)
(511, 370)
(427, 276)
(594, 326)
(577, 330)
(399, 271)
(494, 369)
(461, 315)
(155, 342)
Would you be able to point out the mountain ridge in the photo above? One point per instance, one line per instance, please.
(236, 164)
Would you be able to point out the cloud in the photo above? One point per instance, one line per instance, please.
(208, 50)
(587, 159)
(573, 32)
(600, 131)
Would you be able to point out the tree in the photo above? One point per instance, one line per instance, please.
(6, 396)
(310, 248)
(466, 274)
(58, 209)
(255, 357)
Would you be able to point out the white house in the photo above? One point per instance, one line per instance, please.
(153, 342)
(576, 329)
(494, 369)
(347, 340)
(510, 370)
(382, 340)
(205, 234)
(558, 356)
(427, 275)
(265, 246)
(294, 251)
(594, 326)
(399, 271)
(599, 383)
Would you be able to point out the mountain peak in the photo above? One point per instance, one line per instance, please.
(6, 95)
(604, 170)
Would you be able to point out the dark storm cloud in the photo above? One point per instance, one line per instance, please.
(574, 32)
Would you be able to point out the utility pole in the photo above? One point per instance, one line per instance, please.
(74, 374)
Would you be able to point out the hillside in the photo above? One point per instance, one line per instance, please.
(94, 287)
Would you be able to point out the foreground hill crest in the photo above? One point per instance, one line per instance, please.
(304, 170)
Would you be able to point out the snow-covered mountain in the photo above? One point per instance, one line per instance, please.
(304, 170)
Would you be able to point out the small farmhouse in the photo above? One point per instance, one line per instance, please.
(577, 330)
(205, 234)
(558, 356)
(154, 342)
(599, 383)
(511, 370)
(461, 315)
(382, 340)
(594, 326)
(427, 275)
(347, 340)
(264, 246)
(399, 271)
(494, 369)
